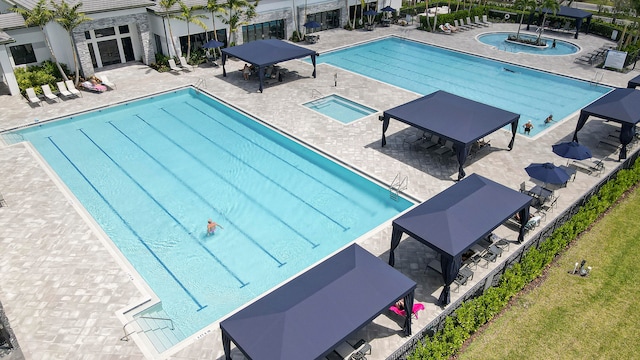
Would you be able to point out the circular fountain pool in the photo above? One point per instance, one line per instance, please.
(499, 41)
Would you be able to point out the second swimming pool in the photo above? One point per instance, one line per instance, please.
(152, 172)
(425, 69)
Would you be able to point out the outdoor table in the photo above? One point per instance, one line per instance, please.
(541, 193)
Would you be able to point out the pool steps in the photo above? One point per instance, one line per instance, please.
(157, 327)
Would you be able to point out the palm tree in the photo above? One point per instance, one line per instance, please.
(547, 5)
(40, 16)
(523, 5)
(166, 5)
(215, 8)
(187, 15)
(69, 18)
(240, 12)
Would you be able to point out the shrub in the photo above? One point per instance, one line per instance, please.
(37, 75)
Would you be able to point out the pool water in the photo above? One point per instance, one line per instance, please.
(339, 108)
(151, 172)
(424, 69)
(498, 40)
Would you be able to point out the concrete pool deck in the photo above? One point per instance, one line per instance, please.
(62, 285)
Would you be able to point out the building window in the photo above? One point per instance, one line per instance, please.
(197, 40)
(105, 32)
(23, 54)
(328, 20)
(124, 29)
(266, 30)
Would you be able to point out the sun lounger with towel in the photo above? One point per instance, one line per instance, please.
(416, 307)
(33, 98)
(88, 85)
(72, 88)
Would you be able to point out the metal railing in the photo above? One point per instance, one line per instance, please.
(315, 94)
(126, 335)
(200, 83)
(493, 278)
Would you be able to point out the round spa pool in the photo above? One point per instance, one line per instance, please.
(499, 41)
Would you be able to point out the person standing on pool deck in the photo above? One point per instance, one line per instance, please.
(211, 227)
(527, 127)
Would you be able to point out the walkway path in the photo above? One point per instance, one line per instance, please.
(62, 283)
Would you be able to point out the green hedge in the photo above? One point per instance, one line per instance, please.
(37, 75)
(474, 313)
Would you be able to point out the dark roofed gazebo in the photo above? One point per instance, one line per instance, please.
(634, 83)
(569, 12)
(262, 53)
(454, 118)
(312, 314)
(455, 219)
(620, 105)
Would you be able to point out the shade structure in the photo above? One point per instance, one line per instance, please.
(572, 150)
(452, 117)
(312, 314)
(211, 44)
(565, 11)
(620, 105)
(633, 83)
(262, 53)
(455, 219)
(388, 9)
(547, 173)
(312, 25)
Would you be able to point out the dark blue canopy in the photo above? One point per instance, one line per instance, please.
(565, 11)
(262, 53)
(311, 315)
(454, 118)
(620, 105)
(633, 83)
(455, 219)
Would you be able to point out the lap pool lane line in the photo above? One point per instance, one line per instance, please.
(242, 283)
(280, 263)
(193, 298)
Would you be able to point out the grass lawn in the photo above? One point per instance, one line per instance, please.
(573, 317)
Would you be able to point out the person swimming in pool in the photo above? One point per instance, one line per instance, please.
(211, 227)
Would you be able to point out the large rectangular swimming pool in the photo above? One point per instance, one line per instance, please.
(151, 172)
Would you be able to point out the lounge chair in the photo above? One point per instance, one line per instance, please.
(470, 23)
(476, 20)
(447, 147)
(429, 143)
(450, 27)
(98, 88)
(485, 20)
(444, 30)
(460, 25)
(46, 90)
(185, 65)
(33, 98)
(72, 88)
(62, 89)
(588, 166)
(106, 82)
(416, 307)
(174, 67)
(353, 352)
(415, 139)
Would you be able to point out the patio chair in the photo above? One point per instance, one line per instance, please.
(62, 89)
(446, 148)
(445, 30)
(97, 88)
(588, 166)
(470, 23)
(185, 65)
(460, 25)
(46, 90)
(498, 241)
(72, 88)
(429, 143)
(415, 138)
(476, 20)
(32, 97)
(485, 20)
(174, 67)
(106, 82)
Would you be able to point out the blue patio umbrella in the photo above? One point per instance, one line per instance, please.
(388, 8)
(312, 25)
(213, 44)
(572, 150)
(548, 173)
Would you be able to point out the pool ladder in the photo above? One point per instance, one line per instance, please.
(315, 94)
(201, 83)
(597, 78)
(398, 184)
